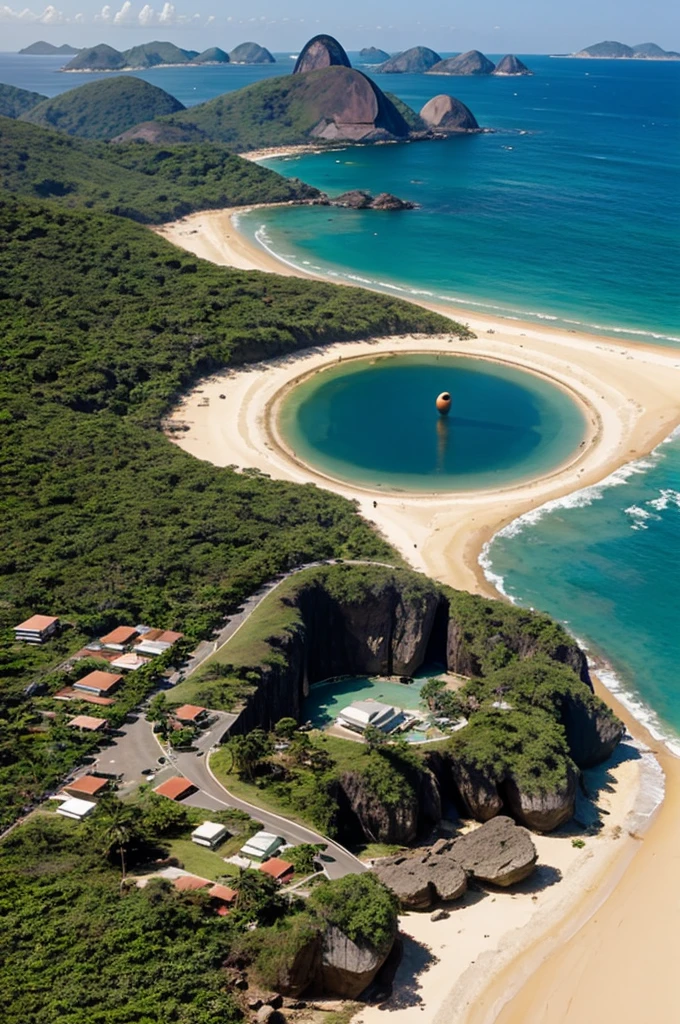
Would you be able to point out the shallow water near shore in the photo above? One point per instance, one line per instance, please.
(374, 422)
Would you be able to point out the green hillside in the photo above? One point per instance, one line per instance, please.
(103, 109)
(145, 183)
(150, 55)
(97, 58)
(15, 102)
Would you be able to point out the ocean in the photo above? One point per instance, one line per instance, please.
(567, 212)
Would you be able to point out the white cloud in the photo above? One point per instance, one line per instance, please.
(147, 15)
(104, 15)
(50, 16)
(167, 15)
(125, 16)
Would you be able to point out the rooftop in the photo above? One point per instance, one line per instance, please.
(277, 868)
(87, 722)
(98, 680)
(175, 788)
(38, 623)
(189, 712)
(90, 784)
(209, 830)
(223, 892)
(263, 841)
(75, 808)
(190, 883)
(119, 635)
(129, 662)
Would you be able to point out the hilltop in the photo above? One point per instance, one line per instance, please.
(613, 50)
(251, 53)
(15, 102)
(372, 55)
(143, 183)
(43, 49)
(158, 54)
(103, 109)
(471, 63)
(411, 62)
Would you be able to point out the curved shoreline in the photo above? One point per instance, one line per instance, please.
(635, 389)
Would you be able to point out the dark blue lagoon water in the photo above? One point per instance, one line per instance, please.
(374, 422)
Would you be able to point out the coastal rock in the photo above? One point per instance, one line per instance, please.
(511, 66)
(411, 62)
(479, 794)
(251, 53)
(358, 199)
(372, 55)
(418, 880)
(386, 201)
(544, 810)
(593, 732)
(321, 52)
(380, 822)
(347, 967)
(448, 114)
(294, 976)
(499, 852)
(471, 63)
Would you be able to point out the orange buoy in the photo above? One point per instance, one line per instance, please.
(443, 403)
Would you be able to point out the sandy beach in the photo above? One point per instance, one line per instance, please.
(616, 894)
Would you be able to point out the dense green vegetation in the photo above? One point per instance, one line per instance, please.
(145, 183)
(104, 109)
(14, 102)
(104, 520)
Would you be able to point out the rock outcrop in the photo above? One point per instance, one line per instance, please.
(419, 880)
(321, 52)
(161, 133)
(499, 852)
(411, 62)
(380, 822)
(511, 66)
(372, 55)
(347, 967)
(447, 114)
(542, 810)
(358, 199)
(592, 732)
(471, 63)
(251, 53)
(478, 794)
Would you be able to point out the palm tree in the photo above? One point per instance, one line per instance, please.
(116, 828)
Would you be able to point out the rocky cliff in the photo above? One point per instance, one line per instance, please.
(412, 62)
(471, 63)
(321, 52)
(447, 114)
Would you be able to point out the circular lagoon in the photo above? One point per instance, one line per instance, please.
(374, 422)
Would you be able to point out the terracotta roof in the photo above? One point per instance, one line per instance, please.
(277, 868)
(90, 784)
(189, 883)
(166, 636)
(223, 892)
(99, 680)
(175, 788)
(129, 661)
(38, 622)
(189, 712)
(68, 693)
(119, 635)
(99, 655)
(86, 722)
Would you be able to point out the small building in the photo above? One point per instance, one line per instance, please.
(281, 870)
(223, 898)
(88, 724)
(362, 713)
(129, 662)
(156, 641)
(88, 786)
(68, 693)
(77, 809)
(209, 834)
(190, 883)
(119, 637)
(176, 788)
(99, 682)
(190, 714)
(262, 845)
(37, 629)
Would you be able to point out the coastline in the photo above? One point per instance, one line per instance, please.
(637, 408)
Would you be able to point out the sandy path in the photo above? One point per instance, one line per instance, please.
(632, 394)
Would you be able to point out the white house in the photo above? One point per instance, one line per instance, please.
(75, 808)
(209, 834)
(262, 845)
(362, 713)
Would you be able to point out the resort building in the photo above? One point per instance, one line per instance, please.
(88, 724)
(37, 629)
(90, 786)
(281, 870)
(262, 845)
(209, 834)
(77, 809)
(190, 714)
(98, 682)
(119, 637)
(362, 713)
(176, 788)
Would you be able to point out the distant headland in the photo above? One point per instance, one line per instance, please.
(103, 57)
(612, 50)
(43, 49)
(420, 60)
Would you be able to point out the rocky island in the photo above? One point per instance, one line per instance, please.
(43, 49)
(448, 114)
(162, 54)
(372, 55)
(415, 61)
(251, 53)
(510, 66)
(613, 50)
(471, 63)
(213, 55)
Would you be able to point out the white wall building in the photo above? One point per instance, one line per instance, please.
(362, 713)
(261, 845)
(209, 834)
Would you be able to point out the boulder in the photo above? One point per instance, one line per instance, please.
(380, 822)
(320, 52)
(346, 967)
(420, 879)
(478, 793)
(592, 731)
(448, 114)
(471, 63)
(386, 201)
(412, 62)
(499, 852)
(511, 66)
(542, 811)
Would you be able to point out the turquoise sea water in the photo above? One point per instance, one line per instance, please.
(577, 220)
(374, 422)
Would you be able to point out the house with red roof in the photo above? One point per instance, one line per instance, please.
(37, 629)
(88, 786)
(88, 723)
(99, 682)
(281, 870)
(176, 788)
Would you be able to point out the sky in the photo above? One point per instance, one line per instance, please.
(495, 26)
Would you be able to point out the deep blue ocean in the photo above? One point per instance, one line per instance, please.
(569, 210)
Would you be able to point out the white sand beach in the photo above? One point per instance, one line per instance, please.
(486, 951)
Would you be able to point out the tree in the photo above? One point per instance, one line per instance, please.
(158, 709)
(302, 857)
(116, 827)
(374, 737)
(285, 728)
(249, 751)
(162, 817)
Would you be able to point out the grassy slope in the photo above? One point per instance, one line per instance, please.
(14, 102)
(146, 183)
(104, 109)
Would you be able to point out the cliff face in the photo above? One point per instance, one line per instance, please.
(321, 52)
(347, 968)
